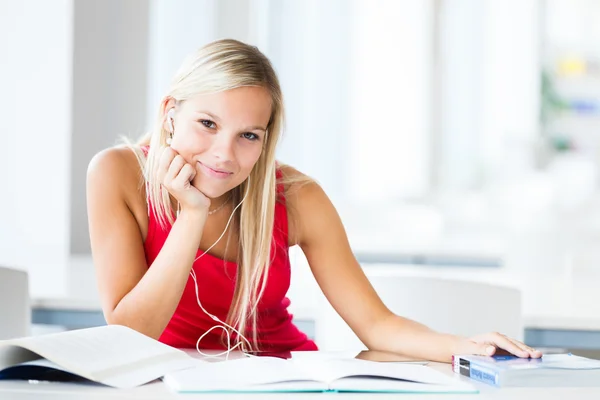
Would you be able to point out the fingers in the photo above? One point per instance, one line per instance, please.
(173, 171)
(512, 346)
(530, 351)
(481, 349)
(164, 163)
(183, 179)
(175, 176)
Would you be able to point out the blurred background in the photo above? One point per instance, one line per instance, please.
(458, 133)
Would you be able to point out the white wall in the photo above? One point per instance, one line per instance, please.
(489, 52)
(35, 108)
(390, 113)
(461, 56)
(110, 58)
(511, 86)
(76, 79)
(176, 28)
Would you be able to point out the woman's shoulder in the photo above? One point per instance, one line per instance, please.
(294, 184)
(305, 200)
(118, 161)
(291, 178)
(116, 168)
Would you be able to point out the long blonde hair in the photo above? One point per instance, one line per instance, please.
(219, 66)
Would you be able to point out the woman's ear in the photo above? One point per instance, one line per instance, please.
(168, 110)
(169, 120)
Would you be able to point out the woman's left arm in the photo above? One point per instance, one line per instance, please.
(316, 227)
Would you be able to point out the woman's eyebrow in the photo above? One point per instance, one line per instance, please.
(255, 127)
(210, 115)
(217, 119)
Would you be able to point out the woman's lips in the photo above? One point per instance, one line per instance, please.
(214, 173)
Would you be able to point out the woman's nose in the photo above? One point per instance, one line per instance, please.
(222, 147)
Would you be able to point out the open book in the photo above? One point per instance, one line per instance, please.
(112, 355)
(272, 374)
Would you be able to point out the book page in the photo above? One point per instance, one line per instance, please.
(40, 370)
(332, 370)
(382, 385)
(107, 354)
(383, 356)
(11, 355)
(359, 375)
(239, 375)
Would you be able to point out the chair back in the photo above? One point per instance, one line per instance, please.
(446, 305)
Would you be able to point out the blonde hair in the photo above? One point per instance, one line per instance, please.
(219, 66)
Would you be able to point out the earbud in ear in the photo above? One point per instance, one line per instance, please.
(170, 115)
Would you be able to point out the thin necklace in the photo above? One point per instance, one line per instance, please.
(210, 212)
(221, 206)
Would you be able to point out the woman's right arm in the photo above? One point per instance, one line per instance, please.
(132, 294)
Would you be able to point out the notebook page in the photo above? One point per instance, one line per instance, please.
(236, 375)
(107, 354)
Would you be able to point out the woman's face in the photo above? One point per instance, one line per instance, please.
(222, 135)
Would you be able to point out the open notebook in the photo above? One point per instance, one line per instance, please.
(112, 355)
(272, 374)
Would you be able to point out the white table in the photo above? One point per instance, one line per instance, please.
(157, 390)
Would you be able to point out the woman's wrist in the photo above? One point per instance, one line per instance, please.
(413, 339)
(445, 345)
(193, 214)
(453, 345)
(192, 221)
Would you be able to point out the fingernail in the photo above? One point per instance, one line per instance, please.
(490, 350)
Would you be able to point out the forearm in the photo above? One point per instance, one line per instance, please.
(149, 306)
(404, 336)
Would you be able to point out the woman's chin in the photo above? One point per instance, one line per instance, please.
(210, 192)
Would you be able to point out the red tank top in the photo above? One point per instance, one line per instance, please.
(216, 284)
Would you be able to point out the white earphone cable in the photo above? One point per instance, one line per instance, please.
(226, 327)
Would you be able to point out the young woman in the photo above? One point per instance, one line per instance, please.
(190, 227)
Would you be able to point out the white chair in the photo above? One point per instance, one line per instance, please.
(15, 309)
(445, 305)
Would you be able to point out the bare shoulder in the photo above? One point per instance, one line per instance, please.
(115, 175)
(298, 187)
(308, 205)
(116, 165)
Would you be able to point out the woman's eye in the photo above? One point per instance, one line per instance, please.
(208, 123)
(250, 136)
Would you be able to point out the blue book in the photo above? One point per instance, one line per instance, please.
(558, 370)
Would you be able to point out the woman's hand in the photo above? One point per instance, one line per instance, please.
(492, 343)
(176, 175)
